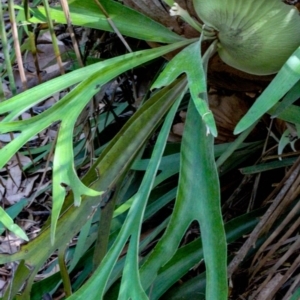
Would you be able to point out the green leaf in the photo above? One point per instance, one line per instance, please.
(128, 21)
(191, 254)
(8, 222)
(296, 294)
(267, 166)
(13, 211)
(67, 111)
(194, 286)
(292, 95)
(112, 166)
(198, 163)
(19, 277)
(286, 78)
(189, 61)
(80, 246)
(169, 2)
(290, 114)
(197, 199)
(131, 287)
(285, 139)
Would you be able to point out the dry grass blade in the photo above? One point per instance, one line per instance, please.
(53, 38)
(292, 288)
(289, 231)
(287, 191)
(282, 278)
(114, 27)
(65, 7)
(17, 46)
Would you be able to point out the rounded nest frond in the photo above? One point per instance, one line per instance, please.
(255, 36)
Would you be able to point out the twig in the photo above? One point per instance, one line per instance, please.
(113, 26)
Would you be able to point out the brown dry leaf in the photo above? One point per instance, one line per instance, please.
(10, 243)
(2, 283)
(182, 115)
(52, 100)
(6, 137)
(14, 198)
(26, 116)
(13, 184)
(173, 138)
(25, 189)
(178, 129)
(46, 55)
(6, 91)
(28, 184)
(24, 160)
(227, 111)
(268, 289)
(13, 187)
(46, 60)
(51, 134)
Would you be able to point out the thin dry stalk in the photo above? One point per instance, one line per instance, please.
(292, 288)
(268, 218)
(17, 46)
(275, 268)
(65, 7)
(261, 261)
(53, 37)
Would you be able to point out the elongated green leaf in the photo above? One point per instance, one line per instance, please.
(67, 111)
(18, 104)
(194, 286)
(80, 246)
(296, 294)
(169, 2)
(189, 61)
(290, 114)
(19, 277)
(131, 287)
(285, 139)
(286, 78)
(8, 222)
(13, 211)
(112, 165)
(191, 254)
(267, 166)
(128, 21)
(289, 98)
(198, 199)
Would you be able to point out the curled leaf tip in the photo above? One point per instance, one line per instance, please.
(175, 10)
(207, 131)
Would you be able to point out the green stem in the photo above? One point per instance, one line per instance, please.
(212, 49)
(64, 271)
